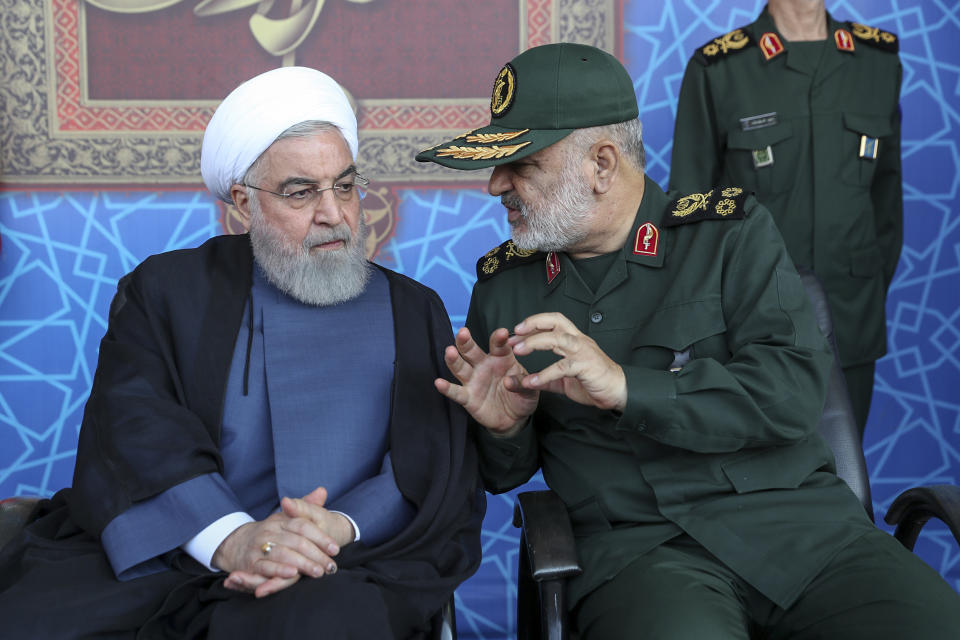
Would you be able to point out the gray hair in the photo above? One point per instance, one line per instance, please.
(627, 136)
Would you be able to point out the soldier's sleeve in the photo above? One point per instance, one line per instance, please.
(886, 192)
(696, 161)
(771, 389)
(505, 463)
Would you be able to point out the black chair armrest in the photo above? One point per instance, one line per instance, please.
(15, 513)
(547, 558)
(548, 535)
(914, 507)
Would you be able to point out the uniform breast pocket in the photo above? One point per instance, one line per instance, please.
(860, 149)
(762, 160)
(675, 335)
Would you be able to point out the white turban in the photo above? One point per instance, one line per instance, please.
(249, 120)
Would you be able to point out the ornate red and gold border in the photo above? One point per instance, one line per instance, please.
(52, 134)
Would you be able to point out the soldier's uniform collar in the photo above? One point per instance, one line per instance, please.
(839, 37)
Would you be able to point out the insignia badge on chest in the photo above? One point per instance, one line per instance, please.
(553, 266)
(843, 39)
(770, 45)
(868, 147)
(648, 236)
(762, 157)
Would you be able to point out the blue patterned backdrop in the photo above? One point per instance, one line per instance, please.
(63, 251)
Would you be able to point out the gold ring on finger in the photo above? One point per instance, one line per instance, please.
(267, 547)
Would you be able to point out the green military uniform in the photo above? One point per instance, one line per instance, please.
(709, 505)
(813, 129)
(726, 374)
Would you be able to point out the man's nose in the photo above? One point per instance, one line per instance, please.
(327, 209)
(500, 180)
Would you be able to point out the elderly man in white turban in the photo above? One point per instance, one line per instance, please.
(262, 453)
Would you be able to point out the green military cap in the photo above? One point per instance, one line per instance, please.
(538, 98)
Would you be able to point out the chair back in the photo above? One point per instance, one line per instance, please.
(838, 425)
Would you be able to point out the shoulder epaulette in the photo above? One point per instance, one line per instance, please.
(716, 49)
(503, 257)
(720, 203)
(874, 37)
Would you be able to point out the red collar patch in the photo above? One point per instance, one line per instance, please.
(553, 266)
(843, 39)
(770, 45)
(648, 236)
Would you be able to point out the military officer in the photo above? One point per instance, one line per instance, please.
(803, 110)
(657, 357)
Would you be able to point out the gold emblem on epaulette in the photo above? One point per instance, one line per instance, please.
(731, 192)
(504, 90)
(490, 265)
(480, 153)
(513, 251)
(487, 138)
(864, 32)
(725, 207)
(693, 202)
(736, 39)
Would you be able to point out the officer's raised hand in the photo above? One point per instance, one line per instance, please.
(584, 373)
(489, 388)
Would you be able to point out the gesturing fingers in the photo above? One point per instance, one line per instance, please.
(584, 373)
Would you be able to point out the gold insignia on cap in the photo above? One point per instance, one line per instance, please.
(487, 138)
(504, 90)
(494, 152)
(732, 41)
(693, 202)
(730, 192)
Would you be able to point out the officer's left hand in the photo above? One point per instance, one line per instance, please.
(585, 374)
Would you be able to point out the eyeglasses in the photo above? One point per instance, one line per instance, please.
(309, 194)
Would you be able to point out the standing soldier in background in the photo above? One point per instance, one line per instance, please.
(803, 110)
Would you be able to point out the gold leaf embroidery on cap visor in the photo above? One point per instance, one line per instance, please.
(487, 138)
(494, 152)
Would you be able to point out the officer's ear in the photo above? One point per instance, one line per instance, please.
(606, 160)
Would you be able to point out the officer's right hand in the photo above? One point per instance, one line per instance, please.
(489, 386)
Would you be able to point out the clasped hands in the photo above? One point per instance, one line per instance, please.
(269, 555)
(500, 394)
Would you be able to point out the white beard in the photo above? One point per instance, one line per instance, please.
(559, 221)
(319, 278)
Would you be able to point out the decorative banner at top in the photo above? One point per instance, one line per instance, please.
(76, 116)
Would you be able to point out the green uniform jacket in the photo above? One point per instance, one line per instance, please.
(726, 372)
(840, 214)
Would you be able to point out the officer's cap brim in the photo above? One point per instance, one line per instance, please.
(490, 146)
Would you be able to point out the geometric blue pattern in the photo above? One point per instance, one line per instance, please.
(62, 253)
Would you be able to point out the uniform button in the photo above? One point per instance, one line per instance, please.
(596, 317)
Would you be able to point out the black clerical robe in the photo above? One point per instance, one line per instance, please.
(153, 421)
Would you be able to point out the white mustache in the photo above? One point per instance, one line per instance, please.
(318, 237)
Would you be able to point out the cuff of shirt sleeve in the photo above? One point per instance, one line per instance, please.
(356, 529)
(649, 393)
(202, 546)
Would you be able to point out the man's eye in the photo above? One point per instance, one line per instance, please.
(300, 194)
(343, 187)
